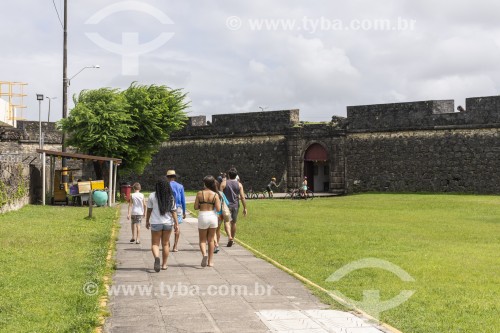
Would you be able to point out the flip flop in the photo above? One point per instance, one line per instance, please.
(164, 268)
(175, 250)
(204, 261)
(157, 264)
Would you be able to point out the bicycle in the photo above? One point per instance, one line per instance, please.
(299, 194)
(309, 195)
(251, 194)
(291, 193)
(266, 195)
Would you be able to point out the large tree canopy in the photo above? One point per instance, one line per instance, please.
(129, 124)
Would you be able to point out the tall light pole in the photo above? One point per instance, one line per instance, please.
(64, 163)
(65, 88)
(65, 68)
(66, 83)
(39, 98)
(48, 115)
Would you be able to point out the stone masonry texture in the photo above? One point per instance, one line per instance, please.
(401, 147)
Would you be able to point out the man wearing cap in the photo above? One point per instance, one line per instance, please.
(180, 202)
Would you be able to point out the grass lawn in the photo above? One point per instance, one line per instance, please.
(449, 244)
(190, 193)
(47, 256)
(187, 193)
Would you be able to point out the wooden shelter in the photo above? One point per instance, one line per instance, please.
(113, 168)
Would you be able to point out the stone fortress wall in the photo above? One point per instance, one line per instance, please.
(18, 148)
(424, 147)
(255, 143)
(399, 147)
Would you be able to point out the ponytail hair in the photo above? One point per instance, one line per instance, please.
(164, 195)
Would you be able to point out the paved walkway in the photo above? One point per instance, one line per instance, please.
(240, 294)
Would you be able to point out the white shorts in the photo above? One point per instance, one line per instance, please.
(207, 219)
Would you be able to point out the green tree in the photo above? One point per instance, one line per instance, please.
(129, 124)
(157, 111)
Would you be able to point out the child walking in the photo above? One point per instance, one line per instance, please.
(136, 211)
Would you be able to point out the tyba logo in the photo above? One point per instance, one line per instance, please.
(130, 49)
(371, 303)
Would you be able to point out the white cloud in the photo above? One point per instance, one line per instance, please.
(451, 54)
(257, 67)
(480, 85)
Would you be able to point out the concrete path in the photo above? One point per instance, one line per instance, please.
(240, 294)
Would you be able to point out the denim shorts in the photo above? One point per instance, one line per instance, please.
(161, 227)
(234, 213)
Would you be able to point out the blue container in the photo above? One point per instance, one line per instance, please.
(100, 198)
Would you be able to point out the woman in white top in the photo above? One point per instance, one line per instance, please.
(161, 218)
(208, 202)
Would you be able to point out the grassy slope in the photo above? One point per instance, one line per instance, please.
(48, 254)
(449, 244)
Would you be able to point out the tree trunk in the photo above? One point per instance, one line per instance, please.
(101, 171)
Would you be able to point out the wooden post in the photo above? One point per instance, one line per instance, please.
(90, 203)
(110, 183)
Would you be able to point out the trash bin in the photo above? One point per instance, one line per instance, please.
(125, 191)
(100, 197)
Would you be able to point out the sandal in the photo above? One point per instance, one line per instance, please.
(132, 240)
(230, 243)
(204, 261)
(157, 264)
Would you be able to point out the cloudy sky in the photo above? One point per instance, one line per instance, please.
(243, 56)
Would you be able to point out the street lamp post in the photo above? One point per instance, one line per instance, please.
(71, 78)
(39, 98)
(64, 175)
(65, 86)
(48, 115)
(66, 83)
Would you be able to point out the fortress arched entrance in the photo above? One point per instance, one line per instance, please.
(317, 168)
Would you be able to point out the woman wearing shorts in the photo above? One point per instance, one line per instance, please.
(207, 202)
(161, 217)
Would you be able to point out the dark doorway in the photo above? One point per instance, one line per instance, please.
(317, 168)
(309, 173)
(35, 185)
